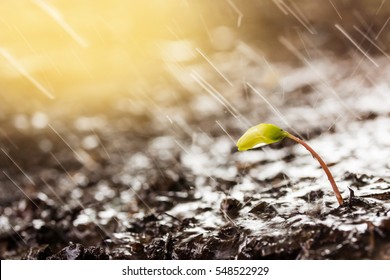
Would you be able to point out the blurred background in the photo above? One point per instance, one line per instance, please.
(72, 55)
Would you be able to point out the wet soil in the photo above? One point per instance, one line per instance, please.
(160, 177)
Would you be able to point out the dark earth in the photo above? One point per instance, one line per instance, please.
(158, 175)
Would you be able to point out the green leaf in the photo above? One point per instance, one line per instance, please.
(261, 134)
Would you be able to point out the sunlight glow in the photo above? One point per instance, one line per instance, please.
(68, 49)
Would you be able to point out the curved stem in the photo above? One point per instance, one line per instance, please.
(323, 165)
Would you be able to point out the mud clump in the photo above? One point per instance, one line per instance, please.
(71, 252)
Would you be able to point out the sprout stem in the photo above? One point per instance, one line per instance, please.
(323, 165)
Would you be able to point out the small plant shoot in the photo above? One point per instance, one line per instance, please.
(264, 134)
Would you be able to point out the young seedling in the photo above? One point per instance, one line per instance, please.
(263, 134)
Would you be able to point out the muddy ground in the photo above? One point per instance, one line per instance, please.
(170, 184)
(154, 173)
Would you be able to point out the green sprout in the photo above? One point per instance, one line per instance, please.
(264, 134)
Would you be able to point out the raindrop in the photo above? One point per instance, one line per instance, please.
(45, 145)
(38, 223)
(90, 142)
(42, 196)
(104, 191)
(107, 214)
(21, 122)
(7, 211)
(139, 161)
(77, 193)
(84, 218)
(80, 179)
(126, 197)
(4, 222)
(39, 120)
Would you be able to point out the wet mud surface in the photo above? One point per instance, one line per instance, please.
(162, 179)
